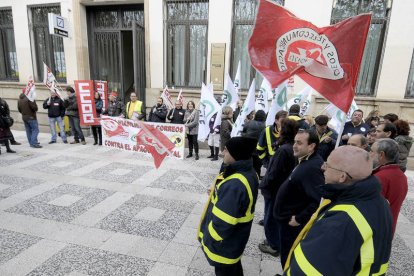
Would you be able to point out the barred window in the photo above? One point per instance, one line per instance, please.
(8, 58)
(409, 93)
(244, 14)
(369, 70)
(186, 31)
(45, 47)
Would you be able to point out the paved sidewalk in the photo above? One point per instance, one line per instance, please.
(89, 210)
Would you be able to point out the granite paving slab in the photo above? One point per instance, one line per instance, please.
(119, 172)
(15, 184)
(124, 219)
(60, 165)
(13, 243)
(401, 261)
(39, 206)
(91, 261)
(407, 209)
(19, 157)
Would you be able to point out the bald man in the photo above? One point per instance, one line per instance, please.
(360, 141)
(351, 232)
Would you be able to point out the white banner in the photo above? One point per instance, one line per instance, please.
(262, 97)
(299, 97)
(208, 107)
(30, 90)
(305, 109)
(50, 81)
(166, 97)
(230, 96)
(122, 134)
(237, 81)
(279, 100)
(247, 108)
(338, 116)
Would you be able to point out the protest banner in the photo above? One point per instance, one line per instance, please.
(144, 137)
(102, 88)
(208, 107)
(50, 81)
(86, 102)
(230, 96)
(30, 90)
(262, 97)
(282, 45)
(166, 97)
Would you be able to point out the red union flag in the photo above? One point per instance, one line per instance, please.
(102, 88)
(155, 142)
(86, 102)
(327, 58)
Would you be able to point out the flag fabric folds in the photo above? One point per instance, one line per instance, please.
(262, 97)
(208, 107)
(247, 108)
(327, 58)
(50, 81)
(279, 100)
(166, 97)
(230, 96)
(30, 90)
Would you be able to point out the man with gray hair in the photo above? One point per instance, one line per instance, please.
(360, 141)
(393, 181)
(351, 232)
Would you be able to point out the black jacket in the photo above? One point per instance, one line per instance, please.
(253, 129)
(176, 116)
(55, 108)
(221, 231)
(278, 170)
(350, 128)
(325, 148)
(158, 114)
(71, 104)
(298, 196)
(333, 245)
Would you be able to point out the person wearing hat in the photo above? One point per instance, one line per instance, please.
(227, 220)
(115, 106)
(71, 105)
(327, 136)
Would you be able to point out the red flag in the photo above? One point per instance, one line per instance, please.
(155, 142)
(86, 102)
(327, 58)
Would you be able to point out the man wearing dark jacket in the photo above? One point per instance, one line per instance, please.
(158, 112)
(294, 111)
(115, 106)
(327, 136)
(55, 112)
(351, 232)
(176, 115)
(28, 110)
(298, 198)
(71, 105)
(226, 223)
(355, 126)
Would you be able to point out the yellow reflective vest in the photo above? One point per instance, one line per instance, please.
(137, 109)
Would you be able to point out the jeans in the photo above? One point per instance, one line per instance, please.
(32, 130)
(76, 128)
(52, 124)
(270, 225)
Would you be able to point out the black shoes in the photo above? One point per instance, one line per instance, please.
(36, 146)
(10, 151)
(15, 143)
(189, 155)
(52, 142)
(196, 156)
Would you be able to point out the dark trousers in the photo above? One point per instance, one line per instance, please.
(74, 123)
(192, 143)
(97, 133)
(287, 236)
(271, 225)
(257, 163)
(229, 270)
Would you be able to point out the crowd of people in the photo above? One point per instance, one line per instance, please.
(328, 210)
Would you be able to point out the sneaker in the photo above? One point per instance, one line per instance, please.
(83, 143)
(36, 146)
(52, 142)
(14, 143)
(267, 249)
(74, 142)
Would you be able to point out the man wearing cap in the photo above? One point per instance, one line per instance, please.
(226, 223)
(115, 106)
(134, 109)
(72, 112)
(327, 136)
(351, 232)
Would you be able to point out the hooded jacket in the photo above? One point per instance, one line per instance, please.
(404, 144)
(226, 223)
(351, 234)
(27, 108)
(71, 105)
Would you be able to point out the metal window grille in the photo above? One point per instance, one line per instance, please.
(8, 58)
(186, 24)
(244, 14)
(370, 66)
(409, 93)
(45, 47)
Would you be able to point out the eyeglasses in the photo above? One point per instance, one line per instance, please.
(326, 166)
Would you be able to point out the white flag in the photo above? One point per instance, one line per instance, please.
(237, 81)
(180, 97)
(279, 100)
(304, 110)
(338, 116)
(261, 100)
(247, 108)
(50, 81)
(166, 97)
(299, 97)
(30, 90)
(208, 107)
(230, 96)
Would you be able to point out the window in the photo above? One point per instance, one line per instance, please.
(8, 57)
(244, 14)
(45, 47)
(369, 70)
(186, 30)
(409, 93)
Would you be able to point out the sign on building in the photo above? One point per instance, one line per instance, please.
(58, 25)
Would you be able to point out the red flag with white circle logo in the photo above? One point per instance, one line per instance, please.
(327, 58)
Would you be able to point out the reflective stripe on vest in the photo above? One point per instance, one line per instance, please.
(226, 217)
(303, 263)
(213, 232)
(367, 248)
(217, 258)
(269, 142)
(382, 270)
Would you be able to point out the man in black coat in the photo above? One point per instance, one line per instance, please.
(327, 136)
(176, 115)
(55, 112)
(158, 112)
(298, 197)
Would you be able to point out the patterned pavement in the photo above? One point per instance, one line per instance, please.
(88, 210)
